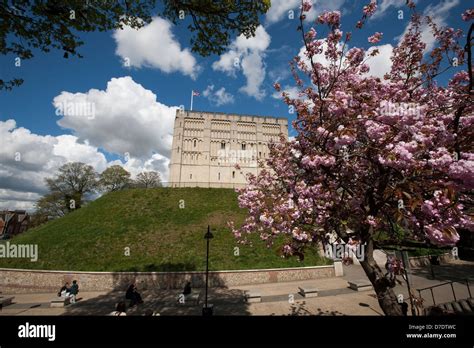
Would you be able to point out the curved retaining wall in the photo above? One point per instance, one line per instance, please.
(35, 281)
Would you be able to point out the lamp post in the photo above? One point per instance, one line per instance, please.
(207, 311)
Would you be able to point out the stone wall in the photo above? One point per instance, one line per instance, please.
(29, 281)
(422, 261)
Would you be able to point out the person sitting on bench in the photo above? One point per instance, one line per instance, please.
(73, 291)
(64, 290)
(133, 295)
(187, 289)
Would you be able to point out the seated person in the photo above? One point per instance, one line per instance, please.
(133, 295)
(187, 289)
(65, 289)
(120, 310)
(186, 294)
(73, 291)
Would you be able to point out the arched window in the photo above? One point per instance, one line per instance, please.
(233, 175)
(194, 143)
(219, 176)
(223, 146)
(244, 146)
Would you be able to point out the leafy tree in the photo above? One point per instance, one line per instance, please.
(214, 22)
(51, 205)
(46, 25)
(149, 179)
(370, 154)
(114, 178)
(73, 181)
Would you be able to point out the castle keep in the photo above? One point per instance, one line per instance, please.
(207, 146)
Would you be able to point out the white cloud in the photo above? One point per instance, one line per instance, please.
(279, 10)
(135, 166)
(439, 13)
(218, 97)
(128, 119)
(380, 64)
(155, 46)
(291, 90)
(318, 58)
(26, 159)
(247, 54)
(384, 5)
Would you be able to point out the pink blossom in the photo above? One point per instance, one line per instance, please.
(330, 17)
(355, 55)
(375, 38)
(306, 6)
(468, 15)
(369, 9)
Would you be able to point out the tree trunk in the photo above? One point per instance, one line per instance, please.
(385, 294)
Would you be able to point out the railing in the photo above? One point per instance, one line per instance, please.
(451, 282)
(231, 185)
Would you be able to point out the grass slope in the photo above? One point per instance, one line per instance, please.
(161, 235)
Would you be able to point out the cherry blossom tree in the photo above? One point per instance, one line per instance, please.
(371, 154)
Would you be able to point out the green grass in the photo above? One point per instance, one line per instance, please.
(161, 235)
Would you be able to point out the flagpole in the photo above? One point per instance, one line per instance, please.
(192, 94)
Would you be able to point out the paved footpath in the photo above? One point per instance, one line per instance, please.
(335, 298)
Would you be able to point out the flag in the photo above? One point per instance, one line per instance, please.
(195, 93)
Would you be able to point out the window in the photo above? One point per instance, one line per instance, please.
(178, 149)
(223, 146)
(233, 175)
(244, 146)
(194, 143)
(190, 176)
(260, 154)
(219, 176)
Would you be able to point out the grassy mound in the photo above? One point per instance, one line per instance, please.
(163, 228)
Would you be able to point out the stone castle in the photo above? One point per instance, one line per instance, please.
(207, 146)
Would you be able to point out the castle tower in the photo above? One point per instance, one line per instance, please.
(207, 146)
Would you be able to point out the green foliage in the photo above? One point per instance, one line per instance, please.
(74, 179)
(47, 25)
(51, 205)
(44, 25)
(114, 178)
(214, 22)
(164, 229)
(149, 179)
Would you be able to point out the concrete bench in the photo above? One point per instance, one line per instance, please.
(471, 302)
(360, 285)
(252, 296)
(308, 292)
(465, 306)
(5, 301)
(60, 301)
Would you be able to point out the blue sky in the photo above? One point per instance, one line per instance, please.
(130, 126)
